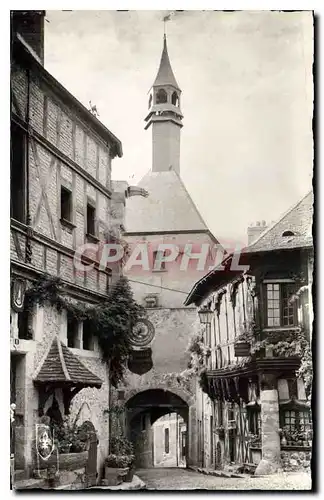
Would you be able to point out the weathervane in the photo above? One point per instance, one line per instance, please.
(166, 19)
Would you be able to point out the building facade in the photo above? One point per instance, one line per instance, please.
(165, 219)
(169, 440)
(253, 404)
(61, 199)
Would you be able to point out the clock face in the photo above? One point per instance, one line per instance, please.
(142, 333)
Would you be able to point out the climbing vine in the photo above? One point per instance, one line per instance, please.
(110, 320)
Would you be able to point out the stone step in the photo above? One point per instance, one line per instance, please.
(19, 475)
(219, 473)
(27, 484)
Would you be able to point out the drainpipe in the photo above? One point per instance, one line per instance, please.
(202, 430)
(177, 440)
(109, 417)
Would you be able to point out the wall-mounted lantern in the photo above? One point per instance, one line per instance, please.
(205, 315)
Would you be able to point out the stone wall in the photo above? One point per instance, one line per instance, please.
(89, 404)
(295, 460)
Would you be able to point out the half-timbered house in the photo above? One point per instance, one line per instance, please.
(254, 405)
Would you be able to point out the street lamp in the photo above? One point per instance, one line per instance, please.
(205, 315)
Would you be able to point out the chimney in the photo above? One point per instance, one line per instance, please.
(30, 25)
(254, 231)
(117, 207)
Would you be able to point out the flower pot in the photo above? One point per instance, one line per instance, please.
(114, 475)
(242, 349)
(128, 478)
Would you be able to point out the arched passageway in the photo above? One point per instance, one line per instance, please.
(154, 414)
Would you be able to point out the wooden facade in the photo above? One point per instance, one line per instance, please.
(262, 318)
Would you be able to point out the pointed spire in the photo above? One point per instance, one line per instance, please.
(165, 74)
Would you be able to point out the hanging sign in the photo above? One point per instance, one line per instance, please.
(18, 294)
(142, 333)
(140, 361)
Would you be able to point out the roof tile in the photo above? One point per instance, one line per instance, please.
(65, 367)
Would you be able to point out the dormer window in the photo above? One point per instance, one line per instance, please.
(175, 99)
(161, 96)
(288, 233)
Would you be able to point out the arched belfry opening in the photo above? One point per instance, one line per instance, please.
(150, 101)
(157, 424)
(175, 99)
(161, 96)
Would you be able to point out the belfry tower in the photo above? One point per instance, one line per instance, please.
(165, 117)
(167, 216)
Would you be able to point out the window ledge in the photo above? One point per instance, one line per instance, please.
(281, 328)
(159, 270)
(67, 223)
(92, 238)
(85, 353)
(295, 448)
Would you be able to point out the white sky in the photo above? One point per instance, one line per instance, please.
(247, 99)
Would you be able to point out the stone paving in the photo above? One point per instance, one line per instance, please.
(185, 479)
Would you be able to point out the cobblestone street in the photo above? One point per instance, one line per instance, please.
(184, 479)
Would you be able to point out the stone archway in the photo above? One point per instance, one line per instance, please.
(143, 409)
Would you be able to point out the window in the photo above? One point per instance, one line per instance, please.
(25, 330)
(157, 264)
(288, 233)
(254, 418)
(183, 444)
(88, 338)
(280, 312)
(174, 99)
(161, 97)
(166, 440)
(230, 412)
(91, 217)
(72, 332)
(17, 174)
(66, 204)
(150, 101)
(296, 425)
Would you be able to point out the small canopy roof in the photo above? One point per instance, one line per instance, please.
(63, 368)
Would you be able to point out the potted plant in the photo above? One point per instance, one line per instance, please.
(130, 473)
(287, 436)
(119, 465)
(116, 467)
(283, 439)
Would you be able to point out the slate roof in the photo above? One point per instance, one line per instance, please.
(165, 74)
(62, 366)
(298, 220)
(168, 206)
